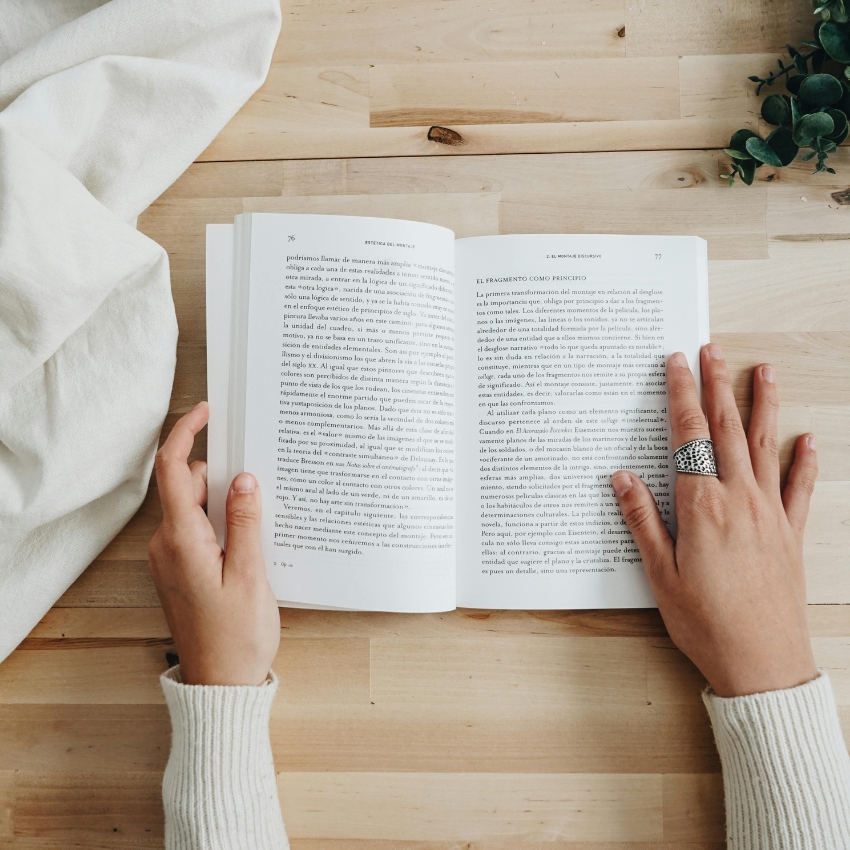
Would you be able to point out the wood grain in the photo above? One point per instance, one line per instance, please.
(487, 730)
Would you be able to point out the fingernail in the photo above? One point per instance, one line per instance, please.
(621, 482)
(714, 351)
(199, 404)
(768, 374)
(812, 441)
(679, 359)
(244, 483)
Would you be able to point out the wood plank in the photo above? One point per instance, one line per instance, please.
(522, 672)
(325, 670)
(465, 30)
(84, 737)
(735, 26)
(251, 137)
(693, 807)
(328, 671)
(123, 675)
(603, 738)
(800, 286)
(717, 86)
(828, 528)
(98, 626)
(497, 844)
(526, 92)
(350, 737)
(827, 578)
(61, 626)
(112, 584)
(631, 170)
(808, 214)
(815, 367)
(431, 807)
(102, 809)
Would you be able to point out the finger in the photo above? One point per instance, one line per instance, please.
(644, 521)
(724, 420)
(762, 433)
(244, 553)
(687, 420)
(198, 468)
(801, 481)
(173, 478)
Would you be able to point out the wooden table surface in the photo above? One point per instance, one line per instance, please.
(482, 730)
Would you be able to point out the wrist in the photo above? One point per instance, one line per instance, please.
(763, 679)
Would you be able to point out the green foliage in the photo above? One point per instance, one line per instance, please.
(776, 109)
(814, 112)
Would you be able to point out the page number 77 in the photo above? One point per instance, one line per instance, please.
(658, 256)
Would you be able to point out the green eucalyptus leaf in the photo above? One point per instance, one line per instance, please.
(795, 111)
(847, 71)
(793, 83)
(736, 154)
(747, 170)
(839, 138)
(828, 146)
(811, 126)
(776, 110)
(844, 103)
(783, 145)
(821, 90)
(738, 142)
(800, 64)
(835, 41)
(762, 151)
(809, 155)
(839, 119)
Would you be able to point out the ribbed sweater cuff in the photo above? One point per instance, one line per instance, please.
(785, 769)
(219, 789)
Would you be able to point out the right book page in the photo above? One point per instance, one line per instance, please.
(561, 345)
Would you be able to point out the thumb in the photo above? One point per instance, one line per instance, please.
(641, 515)
(243, 524)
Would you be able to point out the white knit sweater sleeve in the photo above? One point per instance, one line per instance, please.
(786, 771)
(219, 790)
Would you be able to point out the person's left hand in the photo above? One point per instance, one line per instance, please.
(219, 606)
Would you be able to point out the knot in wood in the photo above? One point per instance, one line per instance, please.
(445, 136)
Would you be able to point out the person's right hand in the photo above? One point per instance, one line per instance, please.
(731, 588)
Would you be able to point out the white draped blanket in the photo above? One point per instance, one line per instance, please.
(102, 106)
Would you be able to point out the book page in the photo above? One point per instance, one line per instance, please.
(561, 348)
(349, 408)
(219, 265)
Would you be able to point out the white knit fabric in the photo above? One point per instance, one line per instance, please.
(102, 106)
(219, 789)
(786, 770)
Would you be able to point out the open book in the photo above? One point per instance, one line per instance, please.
(433, 422)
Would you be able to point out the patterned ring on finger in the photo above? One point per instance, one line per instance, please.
(696, 458)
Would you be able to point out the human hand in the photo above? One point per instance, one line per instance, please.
(219, 606)
(731, 588)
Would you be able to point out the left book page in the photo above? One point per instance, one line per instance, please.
(330, 343)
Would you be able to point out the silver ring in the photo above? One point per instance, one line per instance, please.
(696, 458)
